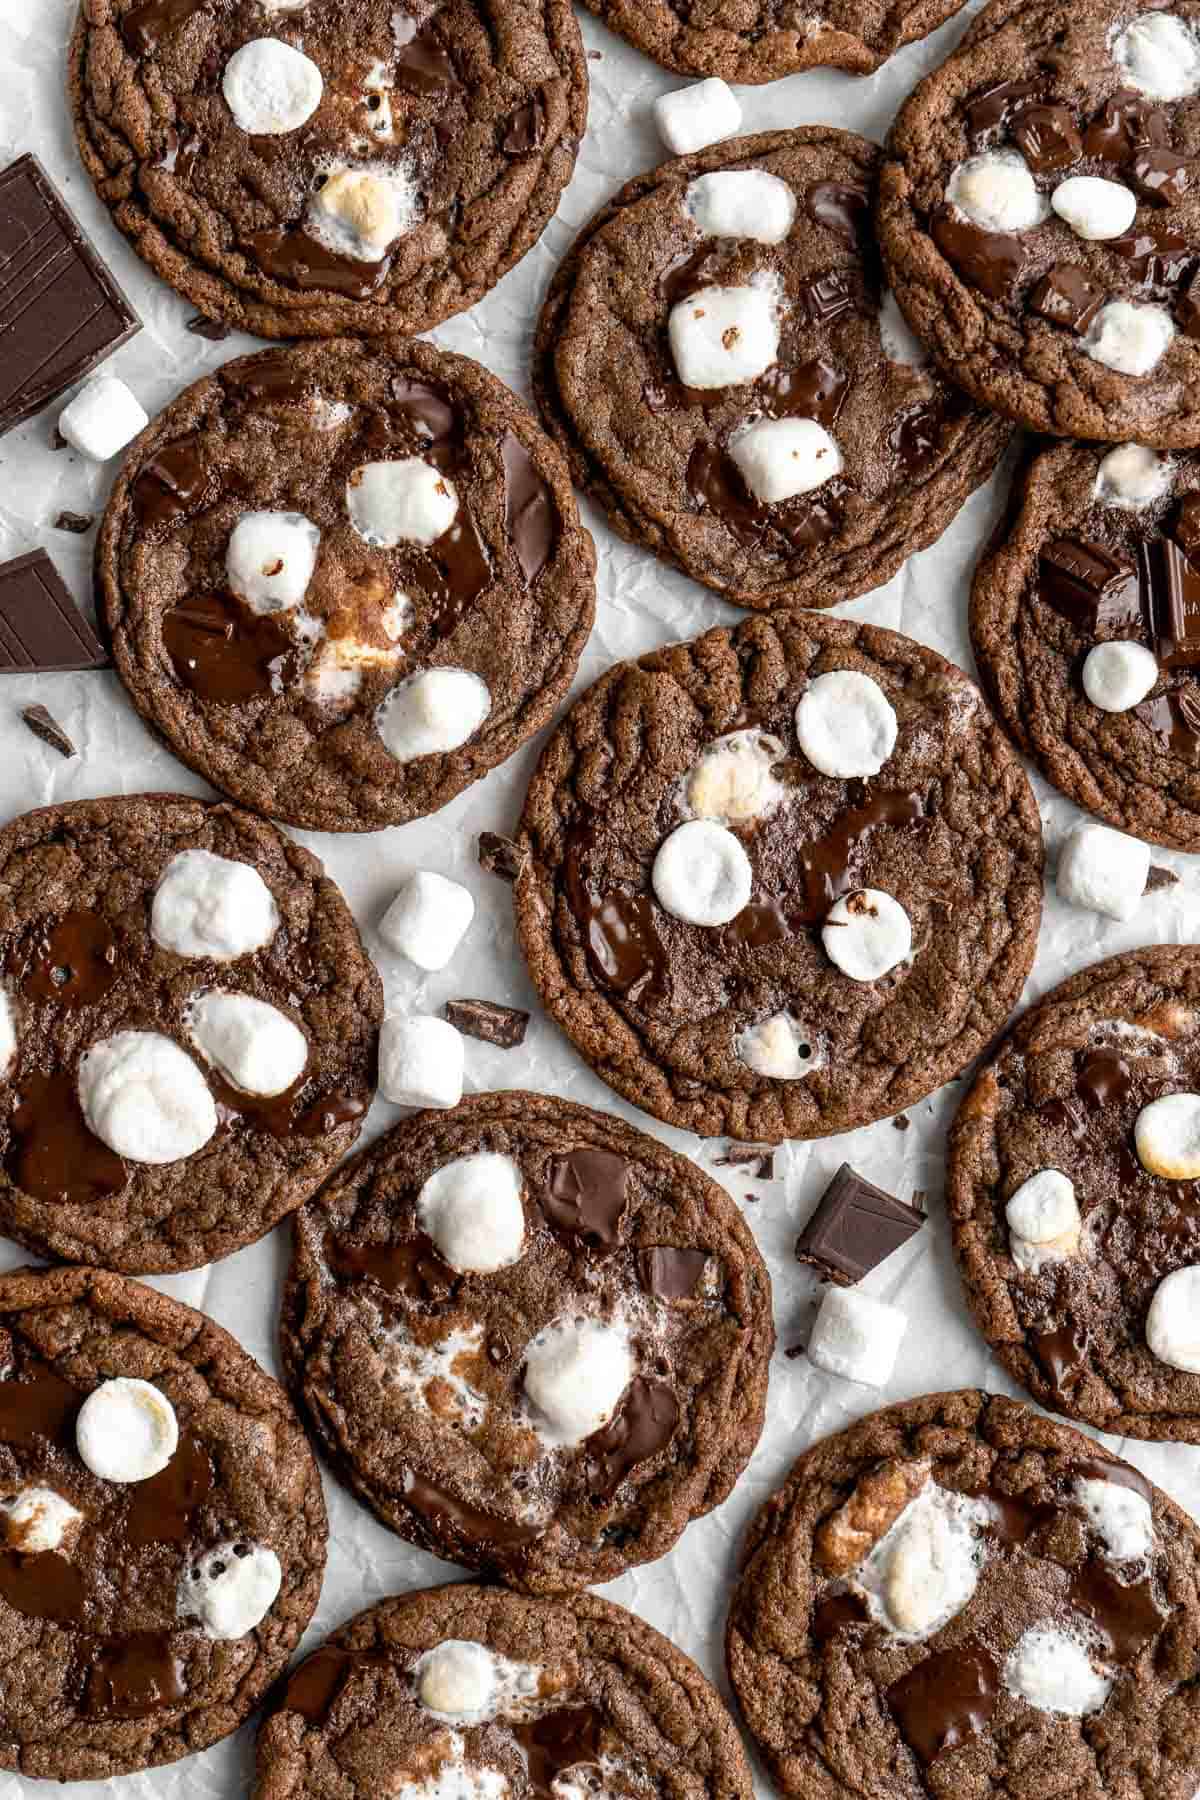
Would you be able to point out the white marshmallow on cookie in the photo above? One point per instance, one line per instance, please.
(421, 1062)
(8, 1032)
(1133, 476)
(779, 1048)
(741, 203)
(1044, 1220)
(271, 558)
(271, 88)
(702, 874)
(996, 192)
(38, 1521)
(472, 1209)
(1094, 208)
(1159, 55)
(457, 1680)
(1056, 1673)
(145, 1098)
(857, 1337)
(102, 418)
(1130, 339)
(866, 934)
(126, 1430)
(692, 118)
(211, 907)
(1103, 870)
(575, 1374)
(780, 458)
(1122, 1518)
(230, 1590)
(845, 724)
(431, 712)
(255, 1046)
(724, 336)
(732, 781)
(1167, 1136)
(428, 919)
(360, 212)
(926, 1567)
(1173, 1322)
(403, 502)
(1118, 676)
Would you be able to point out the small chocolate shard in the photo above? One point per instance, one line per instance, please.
(500, 856)
(756, 1160)
(78, 523)
(504, 1026)
(214, 330)
(1047, 138)
(1089, 586)
(1160, 878)
(1159, 177)
(1067, 296)
(1173, 587)
(45, 726)
(856, 1227)
(42, 630)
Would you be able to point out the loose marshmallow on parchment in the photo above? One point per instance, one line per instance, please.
(145, 1098)
(741, 203)
(8, 1032)
(996, 192)
(1055, 1672)
(732, 781)
(1160, 56)
(576, 1371)
(866, 934)
(1167, 1136)
(126, 1430)
(692, 118)
(257, 1047)
(1132, 476)
(360, 213)
(845, 724)
(403, 502)
(1173, 1322)
(421, 1062)
(457, 1680)
(780, 458)
(1130, 339)
(1122, 1518)
(1044, 1220)
(38, 1520)
(271, 88)
(857, 1337)
(211, 907)
(428, 919)
(102, 418)
(926, 1567)
(1118, 676)
(472, 1210)
(702, 874)
(779, 1048)
(433, 711)
(1103, 870)
(230, 1590)
(271, 558)
(1094, 208)
(724, 336)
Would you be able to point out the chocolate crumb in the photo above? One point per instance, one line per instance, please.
(920, 1202)
(796, 1351)
(501, 856)
(76, 522)
(58, 441)
(45, 726)
(215, 330)
(757, 1162)
(900, 1122)
(504, 1026)
(1160, 878)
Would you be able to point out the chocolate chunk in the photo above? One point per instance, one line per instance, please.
(79, 523)
(504, 1026)
(1159, 257)
(991, 109)
(145, 27)
(1173, 586)
(526, 128)
(500, 856)
(1047, 138)
(41, 628)
(1174, 719)
(671, 1274)
(1159, 177)
(529, 511)
(841, 208)
(586, 1195)
(1067, 296)
(901, 1122)
(991, 261)
(759, 1163)
(812, 390)
(45, 726)
(215, 330)
(1160, 878)
(1186, 529)
(856, 1227)
(826, 297)
(645, 1424)
(173, 485)
(1125, 124)
(1089, 586)
(61, 312)
(946, 1700)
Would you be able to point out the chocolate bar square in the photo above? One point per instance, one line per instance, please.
(856, 1227)
(42, 630)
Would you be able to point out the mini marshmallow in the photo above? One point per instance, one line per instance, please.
(780, 458)
(1054, 1672)
(1133, 476)
(126, 1430)
(428, 919)
(1118, 676)
(732, 781)
(1095, 209)
(857, 1337)
(1167, 1136)
(845, 724)
(432, 712)
(702, 874)
(741, 203)
(779, 1048)
(271, 558)
(1130, 339)
(102, 418)
(1121, 1518)
(575, 1374)
(996, 192)
(254, 1045)
(722, 337)
(927, 1566)
(361, 212)
(405, 502)
(692, 118)
(867, 933)
(38, 1521)
(8, 1032)
(900, 343)
(1173, 1322)
(456, 1680)
(421, 1062)
(472, 1210)
(231, 1590)
(1160, 56)
(1043, 1208)
(145, 1098)
(209, 906)
(1103, 870)
(270, 88)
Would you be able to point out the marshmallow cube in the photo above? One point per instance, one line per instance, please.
(211, 907)
(1095, 209)
(404, 502)
(145, 1098)
(996, 192)
(1160, 56)
(722, 337)
(1055, 1673)
(1117, 676)
(575, 1374)
(428, 919)
(742, 203)
(456, 1680)
(126, 1430)
(845, 724)
(271, 558)
(271, 88)
(1166, 1135)
(472, 1209)
(8, 1032)
(857, 1337)
(1132, 476)
(866, 934)
(231, 1590)
(780, 458)
(432, 712)
(1130, 339)
(1103, 870)
(102, 418)
(255, 1045)
(702, 874)
(421, 1062)
(692, 118)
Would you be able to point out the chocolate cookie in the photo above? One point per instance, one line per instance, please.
(532, 1339)
(802, 461)
(162, 1529)
(1074, 1215)
(1085, 618)
(1040, 223)
(344, 582)
(188, 1026)
(324, 167)
(479, 1692)
(959, 1596)
(782, 880)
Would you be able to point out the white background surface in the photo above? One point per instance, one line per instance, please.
(640, 605)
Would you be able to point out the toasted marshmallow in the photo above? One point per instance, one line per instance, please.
(1103, 870)
(360, 213)
(271, 558)
(102, 418)
(1121, 1518)
(210, 907)
(404, 502)
(270, 88)
(428, 919)
(741, 203)
(421, 1062)
(857, 1337)
(866, 934)
(1118, 676)
(1132, 476)
(780, 458)
(996, 192)
(731, 782)
(694, 117)
(1055, 1673)
(723, 337)
(1130, 339)
(431, 712)
(8, 1032)
(1159, 55)
(472, 1209)
(230, 1590)
(702, 874)
(37, 1521)
(576, 1371)
(1094, 208)
(126, 1430)
(145, 1098)
(254, 1045)
(1167, 1136)
(780, 1048)
(845, 724)
(926, 1567)
(1173, 1322)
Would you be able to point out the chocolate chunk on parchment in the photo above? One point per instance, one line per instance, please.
(214, 330)
(500, 856)
(755, 1160)
(504, 1026)
(1160, 878)
(78, 523)
(45, 726)
(856, 1227)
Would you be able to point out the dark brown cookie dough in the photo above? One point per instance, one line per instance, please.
(107, 1667)
(1007, 314)
(412, 1372)
(840, 1702)
(1071, 570)
(584, 1697)
(654, 453)
(1063, 1092)
(80, 965)
(280, 709)
(949, 829)
(475, 108)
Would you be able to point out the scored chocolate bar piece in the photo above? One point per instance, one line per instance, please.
(1090, 587)
(61, 312)
(42, 631)
(856, 1227)
(1173, 586)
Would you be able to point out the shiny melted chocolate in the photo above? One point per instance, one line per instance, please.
(294, 257)
(451, 1515)
(946, 1700)
(52, 1154)
(643, 1425)
(72, 962)
(173, 485)
(414, 1269)
(223, 651)
(670, 1273)
(568, 1738)
(624, 950)
(586, 1196)
(528, 509)
(991, 261)
(145, 27)
(133, 1677)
